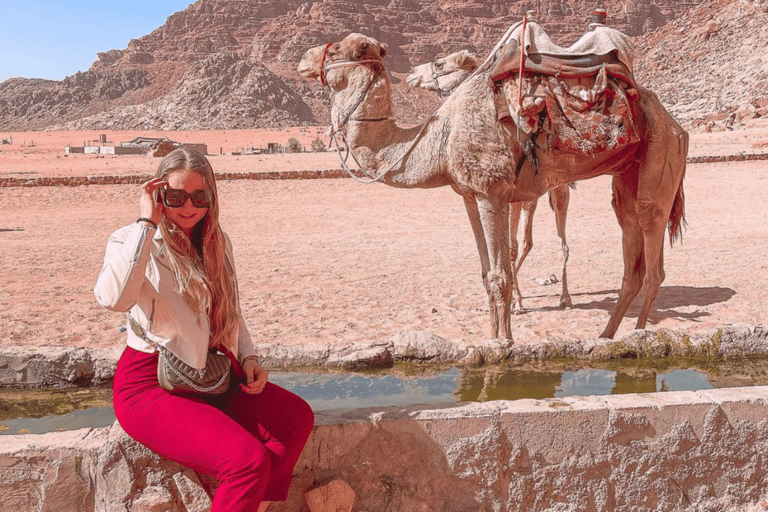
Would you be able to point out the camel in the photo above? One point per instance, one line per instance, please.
(443, 75)
(464, 145)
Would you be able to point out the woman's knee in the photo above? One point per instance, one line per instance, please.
(301, 411)
(246, 457)
(305, 418)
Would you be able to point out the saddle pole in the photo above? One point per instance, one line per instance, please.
(522, 67)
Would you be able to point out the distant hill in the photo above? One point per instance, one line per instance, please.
(710, 67)
(231, 63)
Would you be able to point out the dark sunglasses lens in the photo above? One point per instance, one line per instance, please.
(200, 199)
(174, 198)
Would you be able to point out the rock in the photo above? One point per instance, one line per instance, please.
(336, 496)
(222, 65)
(56, 366)
(189, 487)
(422, 346)
(363, 357)
(161, 148)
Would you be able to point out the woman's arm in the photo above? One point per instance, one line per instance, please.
(256, 376)
(125, 260)
(119, 282)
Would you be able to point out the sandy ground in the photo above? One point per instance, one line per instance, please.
(41, 154)
(336, 262)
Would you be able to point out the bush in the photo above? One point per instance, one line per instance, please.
(294, 146)
(318, 146)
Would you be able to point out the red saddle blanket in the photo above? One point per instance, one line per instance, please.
(582, 97)
(578, 114)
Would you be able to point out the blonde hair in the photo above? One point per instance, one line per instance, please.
(205, 278)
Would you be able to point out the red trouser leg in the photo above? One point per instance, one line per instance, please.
(250, 443)
(282, 421)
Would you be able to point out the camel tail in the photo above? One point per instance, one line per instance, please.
(677, 221)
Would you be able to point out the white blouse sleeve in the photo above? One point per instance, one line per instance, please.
(125, 262)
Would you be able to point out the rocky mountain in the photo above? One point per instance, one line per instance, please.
(231, 63)
(710, 67)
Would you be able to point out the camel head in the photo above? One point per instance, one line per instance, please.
(444, 74)
(322, 61)
(354, 72)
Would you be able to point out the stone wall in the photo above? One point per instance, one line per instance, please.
(644, 452)
(77, 181)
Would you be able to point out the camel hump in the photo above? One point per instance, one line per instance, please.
(600, 44)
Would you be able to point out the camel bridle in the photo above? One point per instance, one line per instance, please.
(325, 65)
(435, 74)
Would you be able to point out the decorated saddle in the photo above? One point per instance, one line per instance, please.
(582, 97)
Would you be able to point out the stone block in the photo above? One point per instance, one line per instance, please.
(336, 496)
(741, 404)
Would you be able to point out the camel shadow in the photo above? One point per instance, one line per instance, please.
(3, 230)
(669, 298)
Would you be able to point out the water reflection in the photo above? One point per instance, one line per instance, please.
(638, 382)
(331, 391)
(506, 384)
(47, 410)
(513, 384)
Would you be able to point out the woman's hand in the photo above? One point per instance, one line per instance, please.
(256, 377)
(148, 206)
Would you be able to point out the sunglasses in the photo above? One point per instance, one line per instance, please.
(177, 197)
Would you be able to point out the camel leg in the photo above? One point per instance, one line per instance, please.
(514, 223)
(528, 208)
(624, 199)
(477, 229)
(660, 203)
(643, 259)
(648, 197)
(654, 273)
(494, 217)
(558, 200)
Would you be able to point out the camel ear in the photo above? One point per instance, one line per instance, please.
(360, 51)
(383, 49)
(468, 59)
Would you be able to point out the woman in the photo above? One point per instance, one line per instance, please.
(172, 272)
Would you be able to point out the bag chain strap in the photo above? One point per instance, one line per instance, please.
(186, 379)
(139, 331)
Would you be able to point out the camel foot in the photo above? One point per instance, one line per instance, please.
(519, 310)
(566, 303)
(607, 335)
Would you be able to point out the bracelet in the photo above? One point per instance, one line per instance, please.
(247, 358)
(149, 221)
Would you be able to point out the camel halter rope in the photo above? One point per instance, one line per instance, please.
(332, 133)
(437, 74)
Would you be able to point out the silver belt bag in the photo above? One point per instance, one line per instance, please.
(177, 377)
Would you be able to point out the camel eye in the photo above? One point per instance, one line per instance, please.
(439, 65)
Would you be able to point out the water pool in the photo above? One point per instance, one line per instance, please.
(40, 411)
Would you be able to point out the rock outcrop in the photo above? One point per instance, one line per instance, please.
(710, 68)
(231, 63)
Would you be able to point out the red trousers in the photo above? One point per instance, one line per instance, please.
(250, 443)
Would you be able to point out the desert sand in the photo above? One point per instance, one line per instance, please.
(331, 262)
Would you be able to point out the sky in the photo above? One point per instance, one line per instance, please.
(54, 39)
